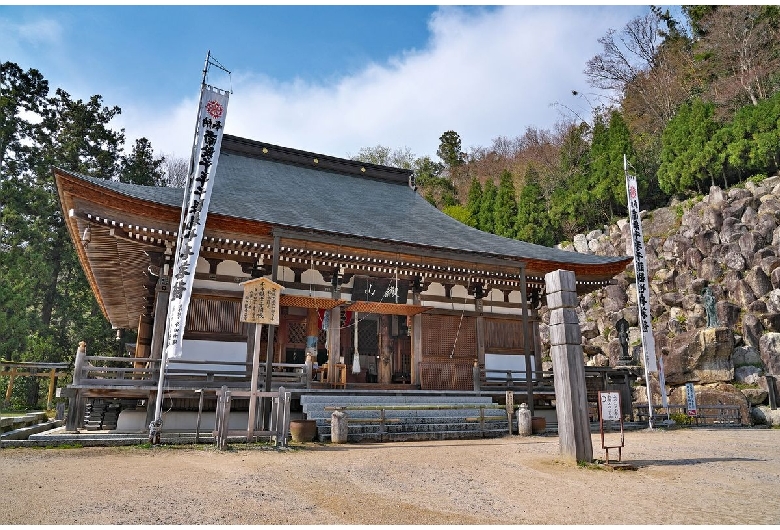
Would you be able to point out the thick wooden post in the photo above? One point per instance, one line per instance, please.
(52, 382)
(526, 341)
(10, 389)
(571, 404)
(269, 351)
(385, 367)
(478, 307)
(252, 423)
(416, 342)
(334, 344)
(160, 315)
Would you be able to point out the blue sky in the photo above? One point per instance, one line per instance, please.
(329, 79)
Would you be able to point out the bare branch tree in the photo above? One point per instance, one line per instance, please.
(176, 172)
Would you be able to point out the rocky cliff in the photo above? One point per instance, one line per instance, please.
(728, 241)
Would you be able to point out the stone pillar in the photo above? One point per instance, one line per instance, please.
(571, 402)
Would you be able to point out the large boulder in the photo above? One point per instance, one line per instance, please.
(755, 396)
(769, 348)
(728, 313)
(748, 375)
(615, 298)
(751, 330)
(703, 356)
(758, 281)
(746, 355)
(765, 416)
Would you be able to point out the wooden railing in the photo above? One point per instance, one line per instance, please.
(278, 428)
(705, 414)
(108, 371)
(29, 369)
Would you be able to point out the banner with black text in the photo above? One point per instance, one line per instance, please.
(211, 123)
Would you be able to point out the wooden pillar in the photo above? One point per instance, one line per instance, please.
(526, 341)
(478, 307)
(334, 344)
(10, 389)
(76, 402)
(160, 316)
(385, 367)
(75, 411)
(52, 382)
(143, 344)
(252, 423)
(265, 414)
(269, 352)
(416, 342)
(571, 403)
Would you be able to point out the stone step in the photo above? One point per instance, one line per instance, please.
(449, 431)
(11, 423)
(412, 398)
(331, 401)
(24, 433)
(417, 427)
(410, 413)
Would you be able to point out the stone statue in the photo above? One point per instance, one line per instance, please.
(622, 329)
(709, 307)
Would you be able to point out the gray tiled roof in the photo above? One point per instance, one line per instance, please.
(306, 197)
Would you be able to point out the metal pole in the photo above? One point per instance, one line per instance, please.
(644, 347)
(156, 425)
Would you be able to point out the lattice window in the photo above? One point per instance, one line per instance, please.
(296, 333)
(439, 333)
(503, 334)
(405, 351)
(368, 339)
(447, 374)
(215, 316)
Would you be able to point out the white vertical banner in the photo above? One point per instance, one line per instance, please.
(642, 281)
(211, 123)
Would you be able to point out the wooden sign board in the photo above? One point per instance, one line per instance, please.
(260, 303)
(385, 290)
(690, 399)
(610, 406)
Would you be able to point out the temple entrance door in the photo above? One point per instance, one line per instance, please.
(402, 357)
(368, 347)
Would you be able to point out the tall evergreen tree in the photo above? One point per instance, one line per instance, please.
(141, 167)
(485, 221)
(687, 157)
(505, 209)
(474, 201)
(607, 178)
(533, 223)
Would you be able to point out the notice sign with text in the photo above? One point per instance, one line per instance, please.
(690, 399)
(260, 303)
(609, 403)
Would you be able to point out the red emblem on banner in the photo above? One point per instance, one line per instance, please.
(214, 109)
(632, 192)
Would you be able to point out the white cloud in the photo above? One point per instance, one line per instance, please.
(38, 32)
(484, 73)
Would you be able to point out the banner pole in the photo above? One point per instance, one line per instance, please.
(642, 285)
(195, 204)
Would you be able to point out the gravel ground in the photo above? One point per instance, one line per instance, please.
(685, 476)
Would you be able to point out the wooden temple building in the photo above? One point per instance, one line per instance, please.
(368, 266)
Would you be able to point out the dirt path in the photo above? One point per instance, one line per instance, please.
(687, 476)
